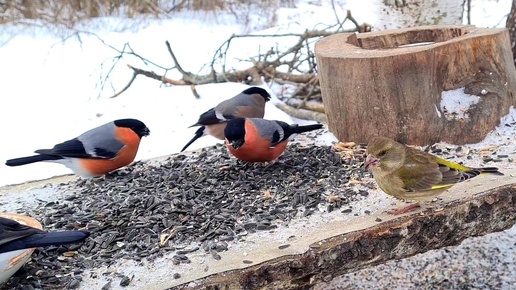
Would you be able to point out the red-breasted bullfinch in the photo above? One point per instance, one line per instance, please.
(95, 152)
(260, 140)
(15, 236)
(250, 103)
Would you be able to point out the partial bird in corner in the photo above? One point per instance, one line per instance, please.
(16, 236)
(248, 104)
(95, 152)
(411, 174)
(260, 140)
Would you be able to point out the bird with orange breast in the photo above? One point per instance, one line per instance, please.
(250, 103)
(260, 140)
(95, 152)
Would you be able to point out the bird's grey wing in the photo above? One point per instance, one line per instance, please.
(242, 105)
(271, 129)
(101, 142)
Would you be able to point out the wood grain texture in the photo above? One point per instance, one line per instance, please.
(510, 24)
(373, 87)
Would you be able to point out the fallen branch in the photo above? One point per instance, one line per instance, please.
(149, 74)
(298, 104)
(153, 75)
(298, 60)
(302, 113)
(294, 65)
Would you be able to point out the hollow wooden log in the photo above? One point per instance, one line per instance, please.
(373, 85)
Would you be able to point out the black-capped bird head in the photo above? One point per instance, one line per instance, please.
(136, 125)
(235, 132)
(257, 90)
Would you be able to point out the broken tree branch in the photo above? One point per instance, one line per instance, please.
(149, 74)
(293, 65)
(302, 113)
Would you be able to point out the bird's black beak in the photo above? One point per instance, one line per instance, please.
(237, 143)
(144, 132)
(371, 161)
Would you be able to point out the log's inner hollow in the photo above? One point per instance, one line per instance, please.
(409, 37)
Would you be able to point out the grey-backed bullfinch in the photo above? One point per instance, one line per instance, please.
(250, 104)
(95, 152)
(260, 140)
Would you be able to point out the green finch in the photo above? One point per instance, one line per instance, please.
(409, 173)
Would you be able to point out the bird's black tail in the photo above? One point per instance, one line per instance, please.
(477, 171)
(490, 170)
(306, 128)
(45, 239)
(31, 159)
(198, 134)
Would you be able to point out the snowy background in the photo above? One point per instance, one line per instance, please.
(50, 85)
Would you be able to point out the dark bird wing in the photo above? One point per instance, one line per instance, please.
(45, 239)
(209, 118)
(11, 230)
(101, 148)
(16, 236)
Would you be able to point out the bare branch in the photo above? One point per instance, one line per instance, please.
(176, 63)
(152, 75)
(292, 66)
(298, 104)
(301, 113)
(155, 76)
(126, 87)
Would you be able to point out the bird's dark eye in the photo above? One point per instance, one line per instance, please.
(382, 153)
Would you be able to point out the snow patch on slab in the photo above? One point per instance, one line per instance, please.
(456, 103)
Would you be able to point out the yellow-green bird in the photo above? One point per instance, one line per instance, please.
(409, 173)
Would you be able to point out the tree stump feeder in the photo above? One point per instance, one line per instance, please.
(394, 83)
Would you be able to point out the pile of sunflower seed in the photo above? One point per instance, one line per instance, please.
(196, 202)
